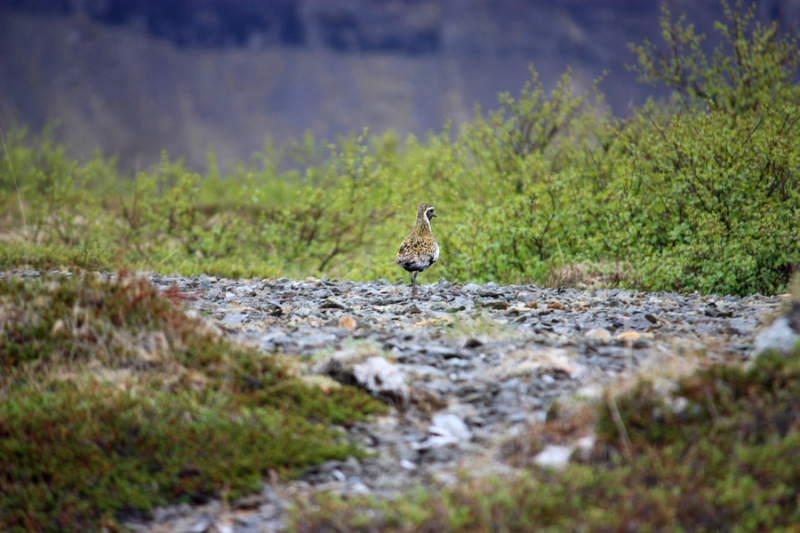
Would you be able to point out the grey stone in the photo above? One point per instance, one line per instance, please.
(442, 386)
(332, 304)
(320, 339)
(382, 379)
(516, 418)
(233, 319)
(271, 307)
(446, 352)
(453, 425)
(778, 336)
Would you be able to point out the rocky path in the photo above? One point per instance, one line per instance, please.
(471, 365)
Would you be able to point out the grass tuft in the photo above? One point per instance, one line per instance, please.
(113, 400)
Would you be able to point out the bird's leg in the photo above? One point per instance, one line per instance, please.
(414, 282)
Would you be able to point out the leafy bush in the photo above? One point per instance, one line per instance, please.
(686, 198)
(711, 205)
(752, 65)
(537, 164)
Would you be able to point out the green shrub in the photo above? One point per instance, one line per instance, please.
(537, 164)
(711, 205)
(752, 66)
(687, 198)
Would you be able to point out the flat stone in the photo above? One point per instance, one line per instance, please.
(445, 351)
(320, 339)
(234, 319)
(453, 425)
(553, 456)
(332, 304)
(778, 336)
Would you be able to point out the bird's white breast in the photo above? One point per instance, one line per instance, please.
(435, 251)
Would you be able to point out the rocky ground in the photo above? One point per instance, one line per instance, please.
(466, 366)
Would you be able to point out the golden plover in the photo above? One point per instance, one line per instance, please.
(419, 250)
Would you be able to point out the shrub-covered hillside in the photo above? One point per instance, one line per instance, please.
(698, 193)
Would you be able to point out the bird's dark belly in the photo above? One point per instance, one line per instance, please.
(418, 265)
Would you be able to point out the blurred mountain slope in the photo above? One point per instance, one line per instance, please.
(136, 77)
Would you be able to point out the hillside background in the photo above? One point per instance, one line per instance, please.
(135, 77)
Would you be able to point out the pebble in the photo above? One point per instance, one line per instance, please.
(554, 456)
(453, 425)
(778, 336)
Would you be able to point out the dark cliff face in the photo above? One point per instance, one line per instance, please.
(344, 26)
(400, 26)
(137, 76)
(206, 23)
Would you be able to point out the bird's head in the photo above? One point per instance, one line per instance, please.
(425, 212)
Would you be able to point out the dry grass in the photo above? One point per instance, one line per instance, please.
(591, 276)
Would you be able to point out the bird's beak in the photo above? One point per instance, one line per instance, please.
(433, 215)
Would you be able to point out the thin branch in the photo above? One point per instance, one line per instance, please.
(16, 184)
(760, 119)
(623, 432)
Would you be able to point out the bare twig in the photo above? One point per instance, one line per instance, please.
(16, 184)
(623, 432)
(760, 119)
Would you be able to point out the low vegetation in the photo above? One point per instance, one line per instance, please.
(113, 401)
(718, 452)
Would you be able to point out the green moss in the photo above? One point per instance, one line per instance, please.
(755, 405)
(46, 257)
(112, 400)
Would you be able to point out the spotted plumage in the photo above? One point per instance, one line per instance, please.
(419, 250)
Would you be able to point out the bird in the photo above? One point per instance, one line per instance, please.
(419, 250)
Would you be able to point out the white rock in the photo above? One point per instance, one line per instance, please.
(453, 425)
(554, 456)
(378, 376)
(408, 465)
(599, 334)
(585, 445)
(592, 391)
(359, 488)
(778, 336)
(679, 404)
(435, 441)
(222, 526)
